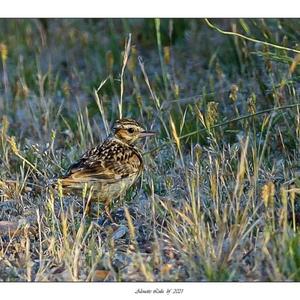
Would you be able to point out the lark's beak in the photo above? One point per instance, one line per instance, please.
(147, 133)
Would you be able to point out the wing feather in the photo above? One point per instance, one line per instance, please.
(107, 163)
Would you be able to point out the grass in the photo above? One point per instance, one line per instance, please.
(219, 198)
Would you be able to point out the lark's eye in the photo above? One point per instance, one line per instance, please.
(130, 130)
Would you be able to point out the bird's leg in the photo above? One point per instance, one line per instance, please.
(107, 210)
(89, 202)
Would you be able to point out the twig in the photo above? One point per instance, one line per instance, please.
(125, 59)
(249, 38)
(153, 95)
(100, 105)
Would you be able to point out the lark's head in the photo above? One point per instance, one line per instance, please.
(128, 130)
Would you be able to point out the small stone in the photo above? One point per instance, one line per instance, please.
(120, 232)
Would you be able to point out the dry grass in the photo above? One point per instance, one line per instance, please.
(218, 200)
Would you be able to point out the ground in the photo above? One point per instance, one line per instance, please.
(218, 199)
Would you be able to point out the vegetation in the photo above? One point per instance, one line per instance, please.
(219, 198)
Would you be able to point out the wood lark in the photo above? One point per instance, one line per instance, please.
(111, 168)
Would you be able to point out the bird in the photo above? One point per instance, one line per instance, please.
(110, 168)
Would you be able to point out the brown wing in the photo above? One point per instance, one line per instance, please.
(109, 162)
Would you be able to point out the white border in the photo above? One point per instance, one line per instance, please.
(149, 8)
(123, 291)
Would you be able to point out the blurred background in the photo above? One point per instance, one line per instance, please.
(52, 64)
